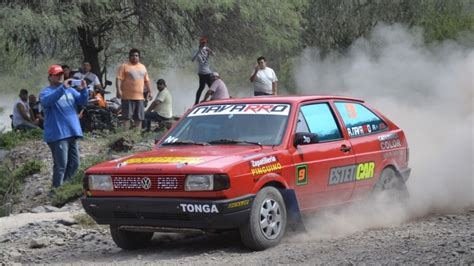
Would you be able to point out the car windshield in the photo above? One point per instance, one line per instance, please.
(232, 124)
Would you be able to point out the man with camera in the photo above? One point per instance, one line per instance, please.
(61, 123)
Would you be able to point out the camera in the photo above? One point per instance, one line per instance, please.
(76, 82)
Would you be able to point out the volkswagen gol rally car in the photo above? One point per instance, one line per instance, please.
(251, 164)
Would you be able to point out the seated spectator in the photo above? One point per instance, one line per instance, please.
(85, 73)
(35, 106)
(23, 117)
(161, 108)
(96, 98)
(218, 89)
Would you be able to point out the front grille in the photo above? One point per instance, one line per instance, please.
(148, 183)
(151, 216)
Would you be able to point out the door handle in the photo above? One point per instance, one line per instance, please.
(345, 148)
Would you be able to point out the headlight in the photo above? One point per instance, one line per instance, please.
(100, 182)
(199, 182)
(206, 182)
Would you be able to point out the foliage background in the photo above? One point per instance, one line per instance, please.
(35, 34)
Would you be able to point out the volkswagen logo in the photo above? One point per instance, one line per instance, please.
(146, 183)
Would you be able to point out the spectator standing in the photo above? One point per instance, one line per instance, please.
(202, 55)
(35, 107)
(161, 109)
(61, 123)
(264, 79)
(131, 82)
(86, 74)
(23, 117)
(67, 72)
(218, 89)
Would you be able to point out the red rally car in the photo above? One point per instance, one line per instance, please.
(254, 164)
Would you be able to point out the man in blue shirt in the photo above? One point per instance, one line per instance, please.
(61, 123)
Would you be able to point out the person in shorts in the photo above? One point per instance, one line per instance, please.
(132, 79)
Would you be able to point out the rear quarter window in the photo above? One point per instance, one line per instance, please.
(359, 120)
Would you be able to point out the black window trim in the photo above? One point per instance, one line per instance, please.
(333, 116)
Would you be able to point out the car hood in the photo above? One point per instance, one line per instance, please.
(182, 159)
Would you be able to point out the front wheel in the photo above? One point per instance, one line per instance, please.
(130, 240)
(267, 221)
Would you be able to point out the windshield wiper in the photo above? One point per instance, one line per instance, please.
(185, 142)
(234, 141)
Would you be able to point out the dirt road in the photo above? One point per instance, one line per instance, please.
(437, 238)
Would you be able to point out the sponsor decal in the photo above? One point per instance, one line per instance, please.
(389, 141)
(189, 160)
(167, 183)
(170, 139)
(238, 204)
(228, 109)
(147, 183)
(131, 182)
(351, 173)
(301, 174)
(393, 154)
(264, 165)
(198, 208)
(351, 111)
(360, 130)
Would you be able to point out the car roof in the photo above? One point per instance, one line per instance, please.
(285, 99)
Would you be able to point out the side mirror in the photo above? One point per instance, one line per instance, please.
(303, 138)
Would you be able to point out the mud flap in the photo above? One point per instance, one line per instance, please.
(295, 220)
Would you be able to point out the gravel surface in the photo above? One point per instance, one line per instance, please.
(437, 238)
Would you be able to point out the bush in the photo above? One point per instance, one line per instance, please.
(73, 190)
(11, 180)
(11, 139)
(66, 193)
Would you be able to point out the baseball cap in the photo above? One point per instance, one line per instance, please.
(55, 69)
(215, 74)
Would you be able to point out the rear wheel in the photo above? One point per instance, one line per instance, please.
(392, 184)
(267, 221)
(130, 240)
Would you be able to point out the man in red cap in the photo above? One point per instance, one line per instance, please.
(204, 71)
(61, 123)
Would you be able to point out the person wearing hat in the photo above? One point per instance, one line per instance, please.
(161, 109)
(204, 71)
(61, 123)
(218, 89)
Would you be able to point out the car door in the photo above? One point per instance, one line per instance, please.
(323, 170)
(364, 128)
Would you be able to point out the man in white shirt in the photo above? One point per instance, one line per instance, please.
(218, 89)
(264, 79)
(161, 108)
(23, 117)
(85, 74)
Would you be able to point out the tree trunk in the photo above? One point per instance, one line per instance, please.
(90, 50)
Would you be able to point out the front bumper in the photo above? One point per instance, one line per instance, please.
(169, 212)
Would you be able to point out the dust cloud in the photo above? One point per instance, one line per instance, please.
(425, 90)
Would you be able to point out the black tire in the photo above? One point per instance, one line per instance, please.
(267, 221)
(390, 182)
(130, 240)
